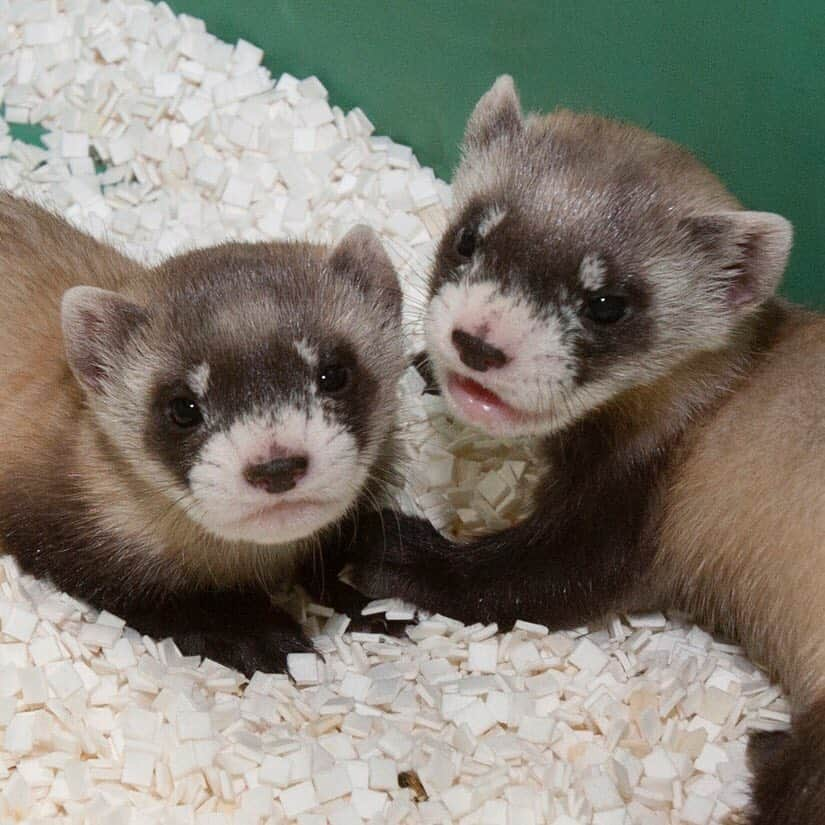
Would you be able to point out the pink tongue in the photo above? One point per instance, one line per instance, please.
(481, 394)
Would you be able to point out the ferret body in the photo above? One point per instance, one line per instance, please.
(179, 441)
(600, 287)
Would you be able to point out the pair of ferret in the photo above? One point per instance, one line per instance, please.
(597, 285)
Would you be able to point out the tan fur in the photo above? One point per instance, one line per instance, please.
(43, 411)
(614, 151)
(692, 475)
(743, 535)
(42, 399)
(735, 387)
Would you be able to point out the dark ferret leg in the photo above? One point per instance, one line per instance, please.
(240, 629)
(789, 773)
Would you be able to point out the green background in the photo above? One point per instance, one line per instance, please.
(741, 83)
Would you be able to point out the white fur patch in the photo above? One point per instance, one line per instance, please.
(538, 378)
(198, 379)
(539, 359)
(234, 510)
(491, 220)
(307, 352)
(592, 272)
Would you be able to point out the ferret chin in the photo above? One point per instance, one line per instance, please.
(182, 442)
(597, 285)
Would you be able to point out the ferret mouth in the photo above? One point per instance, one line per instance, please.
(482, 406)
(282, 509)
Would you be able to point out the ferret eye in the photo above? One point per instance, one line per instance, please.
(606, 309)
(185, 413)
(334, 378)
(465, 243)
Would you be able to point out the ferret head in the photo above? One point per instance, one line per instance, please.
(255, 386)
(584, 257)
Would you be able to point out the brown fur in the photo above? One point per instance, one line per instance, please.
(743, 533)
(83, 498)
(696, 479)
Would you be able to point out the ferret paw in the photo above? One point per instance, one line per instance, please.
(393, 556)
(374, 578)
(379, 577)
(247, 653)
(343, 598)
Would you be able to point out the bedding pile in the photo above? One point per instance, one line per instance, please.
(161, 137)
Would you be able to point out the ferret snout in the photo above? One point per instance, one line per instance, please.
(297, 455)
(476, 353)
(519, 351)
(277, 476)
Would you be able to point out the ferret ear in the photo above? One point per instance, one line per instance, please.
(750, 250)
(96, 324)
(361, 256)
(497, 113)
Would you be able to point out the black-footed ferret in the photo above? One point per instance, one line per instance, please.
(177, 440)
(599, 286)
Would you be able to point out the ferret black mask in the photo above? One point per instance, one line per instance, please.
(251, 390)
(584, 258)
(207, 431)
(600, 287)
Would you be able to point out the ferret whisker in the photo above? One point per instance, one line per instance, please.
(168, 432)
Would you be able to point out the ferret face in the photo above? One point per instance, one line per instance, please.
(584, 258)
(258, 388)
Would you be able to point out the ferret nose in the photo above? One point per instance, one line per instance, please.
(278, 475)
(476, 353)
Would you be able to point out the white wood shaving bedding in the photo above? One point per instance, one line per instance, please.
(641, 721)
